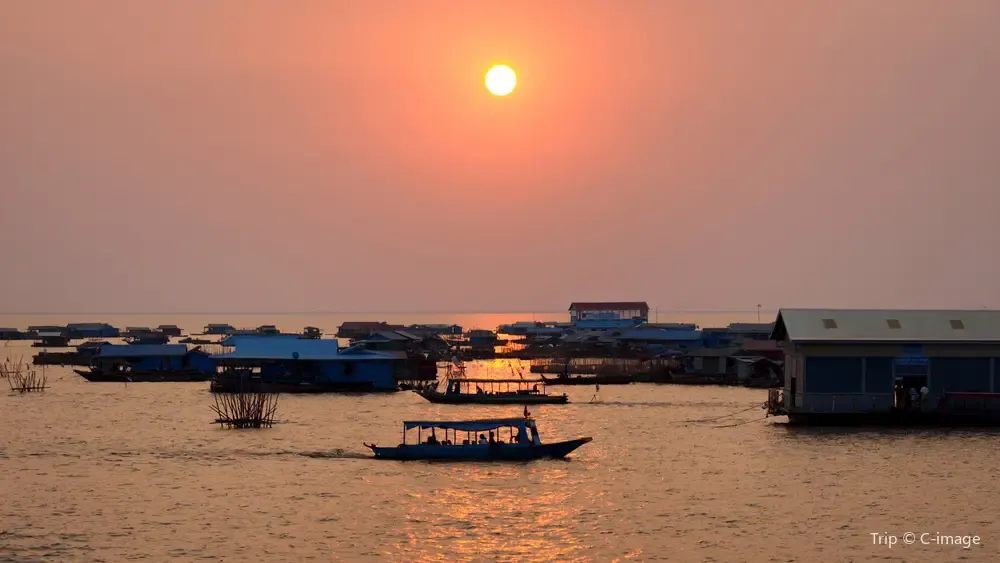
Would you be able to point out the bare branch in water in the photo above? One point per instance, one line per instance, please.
(246, 409)
(22, 377)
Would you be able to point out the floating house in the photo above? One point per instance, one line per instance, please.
(296, 365)
(750, 331)
(653, 338)
(857, 365)
(52, 340)
(149, 362)
(170, 330)
(218, 328)
(479, 338)
(609, 310)
(35, 331)
(440, 329)
(91, 330)
(398, 341)
(736, 333)
(142, 335)
(10, 334)
(531, 328)
(361, 329)
(711, 362)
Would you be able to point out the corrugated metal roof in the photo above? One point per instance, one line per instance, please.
(269, 348)
(887, 325)
(142, 350)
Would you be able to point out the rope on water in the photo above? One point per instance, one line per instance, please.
(724, 416)
(741, 423)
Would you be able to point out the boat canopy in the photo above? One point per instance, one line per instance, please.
(469, 425)
(465, 380)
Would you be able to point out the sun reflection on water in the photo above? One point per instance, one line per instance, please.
(522, 512)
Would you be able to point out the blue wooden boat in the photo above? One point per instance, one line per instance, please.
(493, 392)
(467, 441)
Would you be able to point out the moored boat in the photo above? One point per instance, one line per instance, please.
(467, 441)
(143, 376)
(493, 392)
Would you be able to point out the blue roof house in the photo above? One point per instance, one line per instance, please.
(662, 338)
(308, 365)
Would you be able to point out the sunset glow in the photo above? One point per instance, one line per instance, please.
(501, 80)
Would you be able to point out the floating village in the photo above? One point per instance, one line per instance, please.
(813, 366)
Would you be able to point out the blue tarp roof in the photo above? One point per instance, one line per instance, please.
(469, 425)
(235, 339)
(277, 348)
(662, 335)
(142, 350)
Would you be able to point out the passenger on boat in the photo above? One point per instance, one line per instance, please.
(534, 388)
(432, 439)
(518, 438)
(492, 440)
(482, 439)
(479, 390)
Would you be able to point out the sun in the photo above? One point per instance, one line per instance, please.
(500, 80)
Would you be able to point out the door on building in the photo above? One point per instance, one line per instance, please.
(910, 377)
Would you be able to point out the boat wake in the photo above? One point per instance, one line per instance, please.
(336, 454)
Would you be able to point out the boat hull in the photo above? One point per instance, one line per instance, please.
(492, 399)
(292, 387)
(478, 452)
(158, 376)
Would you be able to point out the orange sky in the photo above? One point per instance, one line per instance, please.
(322, 155)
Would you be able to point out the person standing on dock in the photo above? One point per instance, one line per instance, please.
(914, 398)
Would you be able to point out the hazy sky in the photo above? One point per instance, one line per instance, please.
(192, 155)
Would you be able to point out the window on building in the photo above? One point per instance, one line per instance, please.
(957, 324)
(893, 323)
(829, 323)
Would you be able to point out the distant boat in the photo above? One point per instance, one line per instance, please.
(496, 392)
(524, 442)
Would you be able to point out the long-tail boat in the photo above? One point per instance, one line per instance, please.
(493, 392)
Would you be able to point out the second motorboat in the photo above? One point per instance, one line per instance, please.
(492, 392)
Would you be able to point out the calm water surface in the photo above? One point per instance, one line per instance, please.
(108, 472)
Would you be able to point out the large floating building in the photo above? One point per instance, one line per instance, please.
(858, 365)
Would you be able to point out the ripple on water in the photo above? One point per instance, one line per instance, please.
(95, 473)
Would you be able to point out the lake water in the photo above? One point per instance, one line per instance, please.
(109, 472)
